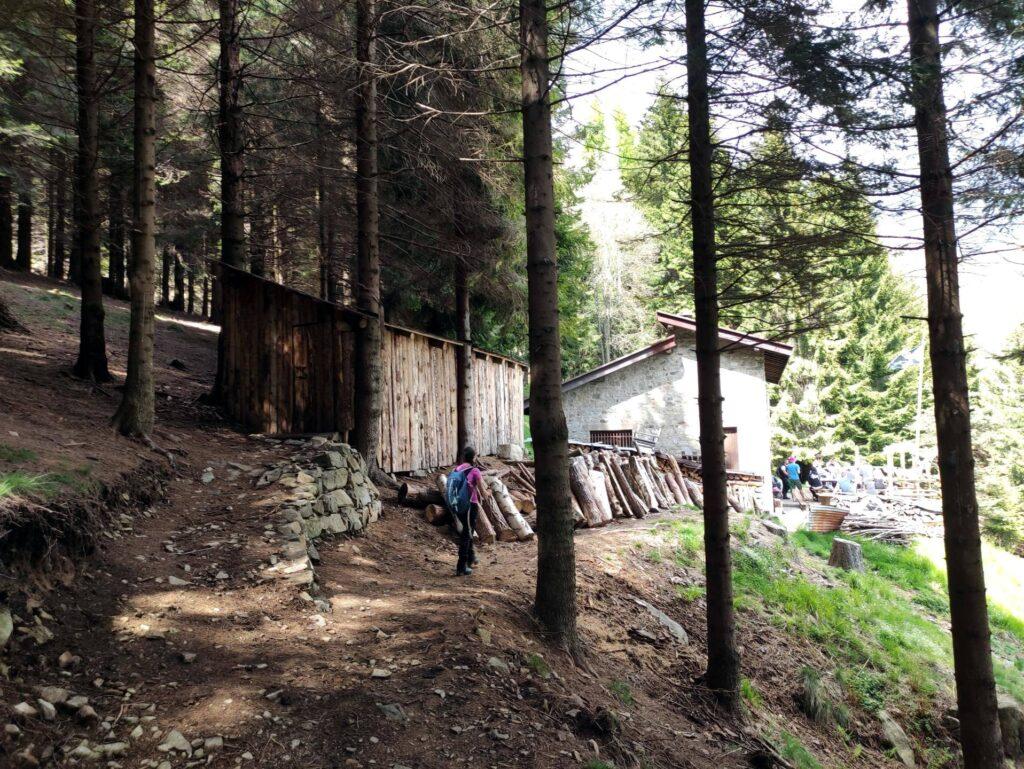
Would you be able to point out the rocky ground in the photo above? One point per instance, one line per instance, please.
(181, 643)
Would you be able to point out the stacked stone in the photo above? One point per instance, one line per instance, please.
(328, 493)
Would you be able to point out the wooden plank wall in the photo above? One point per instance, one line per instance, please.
(288, 358)
(289, 367)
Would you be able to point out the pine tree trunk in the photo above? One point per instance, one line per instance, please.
(555, 601)
(60, 218)
(6, 222)
(232, 161)
(179, 283)
(115, 236)
(368, 373)
(23, 258)
(191, 307)
(165, 276)
(972, 653)
(135, 414)
(206, 296)
(92, 351)
(257, 238)
(50, 197)
(723, 658)
(464, 361)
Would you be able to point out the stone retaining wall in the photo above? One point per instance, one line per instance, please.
(327, 492)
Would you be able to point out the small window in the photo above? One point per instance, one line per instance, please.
(612, 437)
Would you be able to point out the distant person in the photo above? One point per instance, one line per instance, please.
(777, 488)
(464, 501)
(783, 477)
(796, 486)
(847, 482)
(814, 480)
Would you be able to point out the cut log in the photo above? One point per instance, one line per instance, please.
(583, 489)
(418, 496)
(662, 494)
(678, 475)
(513, 517)
(438, 515)
(658, 476)
(502, 530)
(642, 485)
(846, 554)
(597, 480)
(483, 528)
(677, 493)
(734, 503)
(578, 518)
(609, 491)
(695, 492)
(625, 510)
(635, 504)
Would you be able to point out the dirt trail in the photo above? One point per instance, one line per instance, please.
(185, 643)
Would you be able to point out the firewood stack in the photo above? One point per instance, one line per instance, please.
(606, 484)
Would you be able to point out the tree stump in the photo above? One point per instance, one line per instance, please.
(846, 554)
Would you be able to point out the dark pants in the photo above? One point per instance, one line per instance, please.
(466, 556)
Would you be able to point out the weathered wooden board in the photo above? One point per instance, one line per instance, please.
(289, 368)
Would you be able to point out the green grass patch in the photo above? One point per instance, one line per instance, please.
(537, 664)
(884, 630)
(750, 693)
(47, 485)
(690, 593)
(621, 691)
(25, 484)
(596, 763)
(15, 455)
(793, 750)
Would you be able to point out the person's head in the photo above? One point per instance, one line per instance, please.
(791, 460)
(468, 454)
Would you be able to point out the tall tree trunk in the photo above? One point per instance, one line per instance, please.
(60, 217)
(179, 283)
(232, 161)
(972, 653)
(115, 235)
(23, 259)
(326, 215)
(368, 371)
(50, 218)
(165, 276)
(257, 238)
(723, 659)
(555, 600)
(464, 386)
(92, 351)
(191, 305)
(135, 414)
(6, 222)
(206, 296)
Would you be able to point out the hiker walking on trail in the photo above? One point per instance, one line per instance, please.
(464, 501)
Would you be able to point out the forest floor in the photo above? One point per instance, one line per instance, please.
(191, 656)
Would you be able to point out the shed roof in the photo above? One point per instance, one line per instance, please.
(776, 354)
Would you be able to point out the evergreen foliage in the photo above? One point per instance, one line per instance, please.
(999, 446)
(800, 260)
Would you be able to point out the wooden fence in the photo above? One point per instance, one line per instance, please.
(288, 360)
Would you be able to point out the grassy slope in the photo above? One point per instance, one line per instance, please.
(885, 633)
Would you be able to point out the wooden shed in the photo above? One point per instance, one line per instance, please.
(288, 368)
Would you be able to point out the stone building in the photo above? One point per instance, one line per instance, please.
(653, 392)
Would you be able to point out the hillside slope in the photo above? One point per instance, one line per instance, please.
(190, 654)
